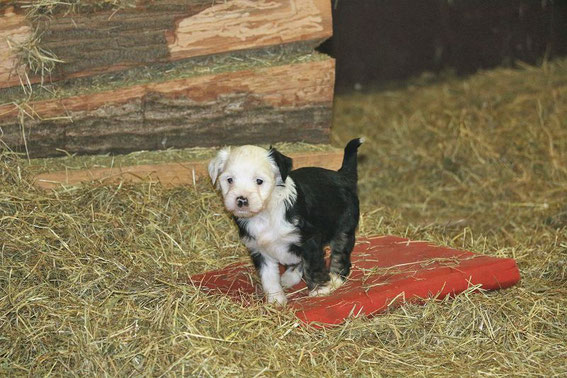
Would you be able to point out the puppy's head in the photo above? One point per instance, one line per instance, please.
(247, 176)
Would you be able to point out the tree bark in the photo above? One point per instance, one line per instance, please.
(292, 102)
(165, 31)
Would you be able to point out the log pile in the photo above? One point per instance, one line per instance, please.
(165, 74)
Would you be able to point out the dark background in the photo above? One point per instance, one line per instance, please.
(379, 41)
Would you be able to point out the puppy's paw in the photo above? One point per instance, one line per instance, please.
(277, 298)
(291, 277)
(336, 280)
(334, 283)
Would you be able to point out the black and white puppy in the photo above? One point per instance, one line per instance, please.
(288, 216)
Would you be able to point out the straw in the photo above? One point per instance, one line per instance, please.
(94, 279)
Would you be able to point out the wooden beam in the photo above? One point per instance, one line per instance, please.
(169, 174)
(292, 102)
(164, 31)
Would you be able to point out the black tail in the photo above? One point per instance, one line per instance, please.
(349, 167)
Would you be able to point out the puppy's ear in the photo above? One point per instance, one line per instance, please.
(216, 166)
(283, 162)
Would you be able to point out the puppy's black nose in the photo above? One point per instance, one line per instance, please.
(241, 201)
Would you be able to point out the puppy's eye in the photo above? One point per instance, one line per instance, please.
(229, 180)
(259, 181)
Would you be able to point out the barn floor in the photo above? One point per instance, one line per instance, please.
(93, 280)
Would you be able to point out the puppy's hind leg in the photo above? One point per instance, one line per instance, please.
(341, 248)
(315, 269)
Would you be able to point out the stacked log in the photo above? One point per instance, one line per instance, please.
(166, 74)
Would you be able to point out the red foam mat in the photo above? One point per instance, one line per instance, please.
(386, 272)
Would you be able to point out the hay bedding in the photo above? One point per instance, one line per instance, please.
(93, 279)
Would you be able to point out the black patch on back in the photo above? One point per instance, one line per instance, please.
(326, 204)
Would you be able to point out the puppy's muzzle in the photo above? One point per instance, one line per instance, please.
(241, 202)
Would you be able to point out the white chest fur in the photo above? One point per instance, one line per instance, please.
(272, 236)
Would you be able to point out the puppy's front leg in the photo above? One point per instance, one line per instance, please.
(292, 276)
(269, 273)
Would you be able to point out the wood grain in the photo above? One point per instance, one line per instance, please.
(291, 102)
(169, 174)
(245, 24)
(108, 41)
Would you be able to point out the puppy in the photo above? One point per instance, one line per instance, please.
(288, 216)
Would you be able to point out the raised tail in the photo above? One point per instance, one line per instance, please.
(349, 167)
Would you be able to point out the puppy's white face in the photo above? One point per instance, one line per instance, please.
(246, 177)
